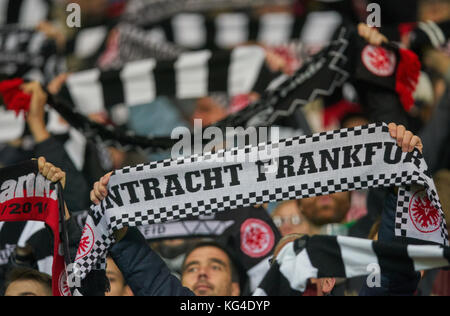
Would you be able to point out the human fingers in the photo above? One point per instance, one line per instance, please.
(407, 137)
(400, 134)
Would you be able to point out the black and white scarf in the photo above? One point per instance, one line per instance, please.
(192, 75)
(128, 43)
(13, 234)
(144, 13)
(27, 53)
(230, 29)
(344, 257)
(431, 34)
(346, 58)
(320, 76)
(88, 43)
(26, 13)
(343, 160)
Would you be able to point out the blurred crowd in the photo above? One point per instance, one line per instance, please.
(205, 266)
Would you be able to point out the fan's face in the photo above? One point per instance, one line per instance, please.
(288, 219)
(208, 111)
(207, 272)
(437, 11)
(326, 209)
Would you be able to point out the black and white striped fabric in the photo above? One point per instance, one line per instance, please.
(28, 54)
(192, 75)
(222, 31)
(88, 42)
(14, 127)
(203, 226)
(19, 234)
(320, 76)
(336, 161)
(344, 257)
(135, 43)
(26, 13)
(431, 34)
(147, 12)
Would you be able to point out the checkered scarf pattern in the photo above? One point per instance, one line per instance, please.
(295, 168)
(344, 257)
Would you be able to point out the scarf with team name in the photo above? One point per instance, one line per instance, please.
(25, 195)
(336, 161)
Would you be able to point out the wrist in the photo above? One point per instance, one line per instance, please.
(39, 131)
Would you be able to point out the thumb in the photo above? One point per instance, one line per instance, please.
(106, 178)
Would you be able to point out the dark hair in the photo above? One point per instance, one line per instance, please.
(28, 274)
(352, 115)
(235, 276)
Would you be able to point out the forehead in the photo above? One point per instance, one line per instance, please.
(208, 253)
(20, 287)
(111, 266)
(287, 209)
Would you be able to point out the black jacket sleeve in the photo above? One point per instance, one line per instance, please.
(144, 271)
(392, 283)
(76, 193)
(436, 135)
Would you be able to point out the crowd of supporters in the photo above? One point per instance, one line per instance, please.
(210, 266)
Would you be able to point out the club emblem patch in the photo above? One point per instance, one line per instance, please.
(257, 238)
(86, 242)
(63, 285)
(379, 60)
(425, 217)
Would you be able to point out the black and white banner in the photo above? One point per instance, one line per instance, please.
(201, 227)
(192, 75)
(344, 257)
(145, 12)
(26, 13)
(225, 30)
(13, 234)
(128, 43)
(88, 42)
(319, 77)
(343, 160)
(27, 53)
(430, 34)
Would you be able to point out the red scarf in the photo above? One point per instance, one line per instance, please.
(26, 196)
(15, 99)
